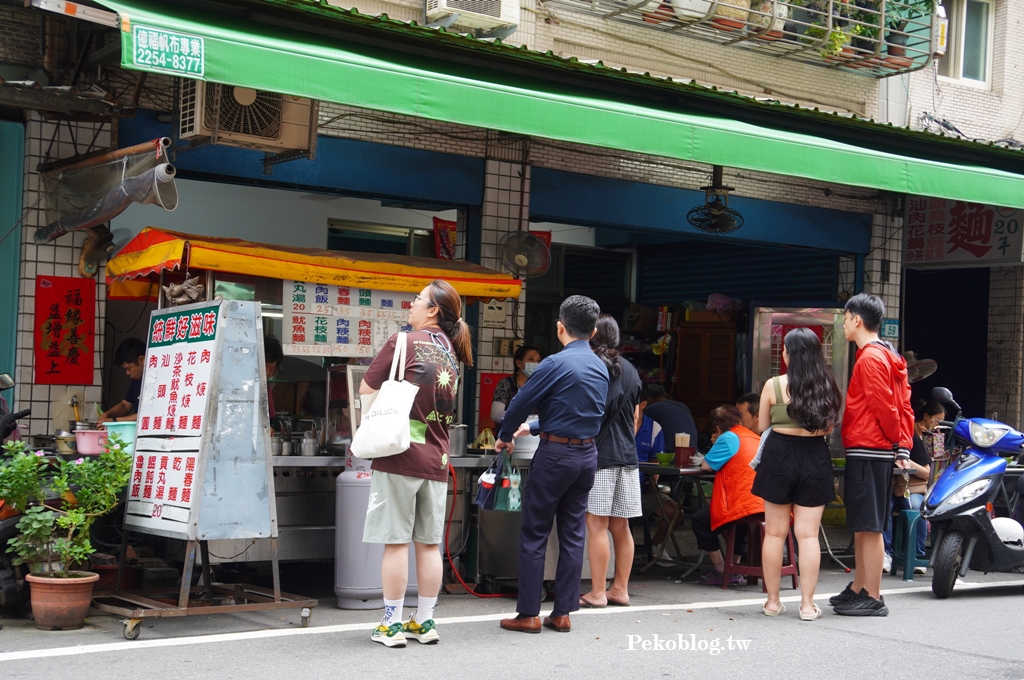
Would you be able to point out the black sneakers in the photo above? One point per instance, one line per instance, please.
(861, 604)
(844, 596)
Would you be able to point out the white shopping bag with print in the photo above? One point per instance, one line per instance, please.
(384, 427)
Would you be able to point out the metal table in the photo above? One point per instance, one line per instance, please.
(671, 471)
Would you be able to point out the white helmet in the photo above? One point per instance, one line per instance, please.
(1009, 531)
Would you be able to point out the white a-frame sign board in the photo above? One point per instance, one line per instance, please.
(202, 468)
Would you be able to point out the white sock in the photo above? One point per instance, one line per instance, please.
(425, 608)
(720, 567)
(392, 612)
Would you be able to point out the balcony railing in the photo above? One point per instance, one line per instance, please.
(876, 38)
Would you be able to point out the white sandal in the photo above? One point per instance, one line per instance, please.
(812, 617)
(769, 612)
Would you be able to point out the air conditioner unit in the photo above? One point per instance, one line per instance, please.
(476, 13)
(241, 116)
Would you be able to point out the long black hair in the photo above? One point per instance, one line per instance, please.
(814, 397)
(605, 343)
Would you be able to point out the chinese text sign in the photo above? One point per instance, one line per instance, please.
(938, 232)
(65, 319)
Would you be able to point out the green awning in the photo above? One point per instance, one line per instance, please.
(266, 57)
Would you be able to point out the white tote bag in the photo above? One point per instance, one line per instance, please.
(384, 427)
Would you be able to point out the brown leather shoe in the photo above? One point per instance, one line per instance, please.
(559, 623)
(530, 624)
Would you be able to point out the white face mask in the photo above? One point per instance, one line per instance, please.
(529, 367)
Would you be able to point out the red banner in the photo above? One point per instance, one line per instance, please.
(544, 236)
(64, 330)
(444, 238)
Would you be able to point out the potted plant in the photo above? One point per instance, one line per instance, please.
(60, 500)
(866, 29)
(898, 15)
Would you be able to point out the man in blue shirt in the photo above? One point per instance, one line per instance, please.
(568, 390)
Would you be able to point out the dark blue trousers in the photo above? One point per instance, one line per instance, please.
(561, 476)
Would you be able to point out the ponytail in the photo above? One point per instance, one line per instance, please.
(605, 343)
(449, 318)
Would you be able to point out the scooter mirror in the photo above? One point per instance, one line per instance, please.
(942, 395)
(6, 381)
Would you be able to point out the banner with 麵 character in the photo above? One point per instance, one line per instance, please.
(941, 233)
(64, 330)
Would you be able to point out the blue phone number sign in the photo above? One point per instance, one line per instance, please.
(168, 51)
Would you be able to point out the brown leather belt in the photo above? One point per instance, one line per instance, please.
(565, 440)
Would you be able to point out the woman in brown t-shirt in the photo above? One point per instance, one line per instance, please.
(408, 490)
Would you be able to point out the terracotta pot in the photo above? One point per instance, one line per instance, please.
(61, 603)
(7, 511)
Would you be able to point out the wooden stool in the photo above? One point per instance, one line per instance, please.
(752, 568)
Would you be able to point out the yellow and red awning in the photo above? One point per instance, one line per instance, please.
(156, 250)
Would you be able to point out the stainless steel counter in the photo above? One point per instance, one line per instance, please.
(309, 461)
(482, 462)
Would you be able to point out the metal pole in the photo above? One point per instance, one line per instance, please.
(160, 143)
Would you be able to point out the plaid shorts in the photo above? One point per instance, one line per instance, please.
(616, 493)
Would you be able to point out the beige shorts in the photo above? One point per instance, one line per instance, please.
(404, 509)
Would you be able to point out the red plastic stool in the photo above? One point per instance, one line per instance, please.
(752, 567)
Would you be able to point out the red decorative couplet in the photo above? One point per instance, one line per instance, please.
(64, 329)
(444, 238)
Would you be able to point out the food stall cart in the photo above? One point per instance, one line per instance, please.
(335, 308)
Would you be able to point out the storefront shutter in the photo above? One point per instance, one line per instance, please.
(692, 270)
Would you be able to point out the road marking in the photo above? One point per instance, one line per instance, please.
(365, 627)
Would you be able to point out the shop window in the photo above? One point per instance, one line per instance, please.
(969, 44)
(370, 238)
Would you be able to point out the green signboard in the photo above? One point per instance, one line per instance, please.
(168, 51)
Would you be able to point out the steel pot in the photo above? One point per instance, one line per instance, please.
(457, 435)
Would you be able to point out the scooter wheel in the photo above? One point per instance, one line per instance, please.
(947, 564)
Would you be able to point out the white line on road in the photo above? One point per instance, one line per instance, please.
(355, 627)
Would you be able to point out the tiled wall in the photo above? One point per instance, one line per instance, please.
(56, 258)
(1005, 345)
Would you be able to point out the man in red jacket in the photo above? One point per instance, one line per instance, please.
(878, 429)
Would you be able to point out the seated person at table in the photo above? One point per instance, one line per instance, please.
(673, 416)
(910, 497)
(649, 441)
(734, 447)
(748, 405)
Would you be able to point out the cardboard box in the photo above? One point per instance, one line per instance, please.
(709, 316)
(641, 319)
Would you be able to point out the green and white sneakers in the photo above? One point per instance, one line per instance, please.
(425, 633)
(391, 636)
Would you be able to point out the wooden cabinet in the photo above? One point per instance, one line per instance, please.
(705, 375)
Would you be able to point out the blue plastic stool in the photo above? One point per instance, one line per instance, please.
(904, 544)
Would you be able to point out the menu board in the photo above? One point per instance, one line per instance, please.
(175, 392)
(178, 361)
(327, 320)
(202, 464)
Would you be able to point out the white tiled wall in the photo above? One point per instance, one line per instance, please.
(50, 409)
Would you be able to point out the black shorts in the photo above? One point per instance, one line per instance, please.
(795, 470)
(868, 494)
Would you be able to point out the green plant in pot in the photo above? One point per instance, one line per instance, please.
(832, 40)
(866, 20)
(60, 501)
(898, 16)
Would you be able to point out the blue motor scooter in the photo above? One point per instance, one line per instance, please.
(960, 504)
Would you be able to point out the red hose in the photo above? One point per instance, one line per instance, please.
(447, 528)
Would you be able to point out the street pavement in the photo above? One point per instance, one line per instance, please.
(671, 630)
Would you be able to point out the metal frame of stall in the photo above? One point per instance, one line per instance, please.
(150, 602)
